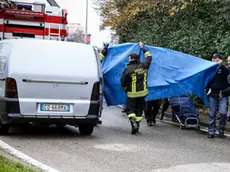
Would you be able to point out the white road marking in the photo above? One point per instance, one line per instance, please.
(117, 147)
(24, 158)
(203, 167)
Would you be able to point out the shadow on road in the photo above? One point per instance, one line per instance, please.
(44, 132)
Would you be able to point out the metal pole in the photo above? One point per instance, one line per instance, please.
(86, 22)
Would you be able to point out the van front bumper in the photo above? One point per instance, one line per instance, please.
(35, 119)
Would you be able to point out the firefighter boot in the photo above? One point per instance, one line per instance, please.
(134, 125)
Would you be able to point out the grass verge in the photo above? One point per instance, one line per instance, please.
(7, 165)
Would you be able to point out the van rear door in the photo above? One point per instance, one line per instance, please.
(56, 81)
(101, 80)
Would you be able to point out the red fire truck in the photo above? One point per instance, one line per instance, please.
(32, 20)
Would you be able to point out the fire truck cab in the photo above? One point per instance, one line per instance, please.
(32, 20)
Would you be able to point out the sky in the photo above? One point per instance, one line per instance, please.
(77, 13)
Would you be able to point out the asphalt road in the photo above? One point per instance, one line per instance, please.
(162, 148)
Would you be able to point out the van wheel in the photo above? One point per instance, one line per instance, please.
(86, 129)
(4, 129)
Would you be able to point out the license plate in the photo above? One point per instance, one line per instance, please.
(55, 107)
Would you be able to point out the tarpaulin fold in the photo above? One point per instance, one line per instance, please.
(171, 73)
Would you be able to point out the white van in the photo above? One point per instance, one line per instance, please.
(49, 82)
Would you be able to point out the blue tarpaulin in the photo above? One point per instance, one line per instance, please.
(171, 73)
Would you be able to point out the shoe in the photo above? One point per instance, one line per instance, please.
(99, 121)
(133, 125)
(154, 121)
(124, 111)
(228, 119)
(162, 116)
(149, 123)
(211, 136)
(222, 136)
(218, 117)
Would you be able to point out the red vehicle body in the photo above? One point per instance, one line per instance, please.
(32, 20)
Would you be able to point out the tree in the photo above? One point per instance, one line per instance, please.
(76, 34)
(114, 38)
(197, 27)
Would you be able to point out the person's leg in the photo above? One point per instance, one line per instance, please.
(228, 116)
(212, 117)
(155, 110)
(164, 108)
(148, 113)
(124, 109)
(139, 110)
(131, 109)
(223, 115)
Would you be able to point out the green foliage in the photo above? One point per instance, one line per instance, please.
(9, 166)
(196, 27)
(196, 100)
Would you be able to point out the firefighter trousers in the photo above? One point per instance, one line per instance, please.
(135, 108)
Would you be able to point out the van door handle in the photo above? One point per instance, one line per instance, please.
(55, 81)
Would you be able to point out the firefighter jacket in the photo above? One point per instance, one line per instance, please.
(134, 78)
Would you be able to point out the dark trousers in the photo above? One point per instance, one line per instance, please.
(165, 105)
(152, 108)
(135, 108)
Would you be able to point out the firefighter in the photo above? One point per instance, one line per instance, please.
(102, 55)
(104, 52)
(134, 82)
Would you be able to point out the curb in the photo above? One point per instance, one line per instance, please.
(203, 124)
(167, 115)
(167, 121)
(24, 158)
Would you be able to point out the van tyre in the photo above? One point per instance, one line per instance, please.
(4, 129)
(86, 129)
